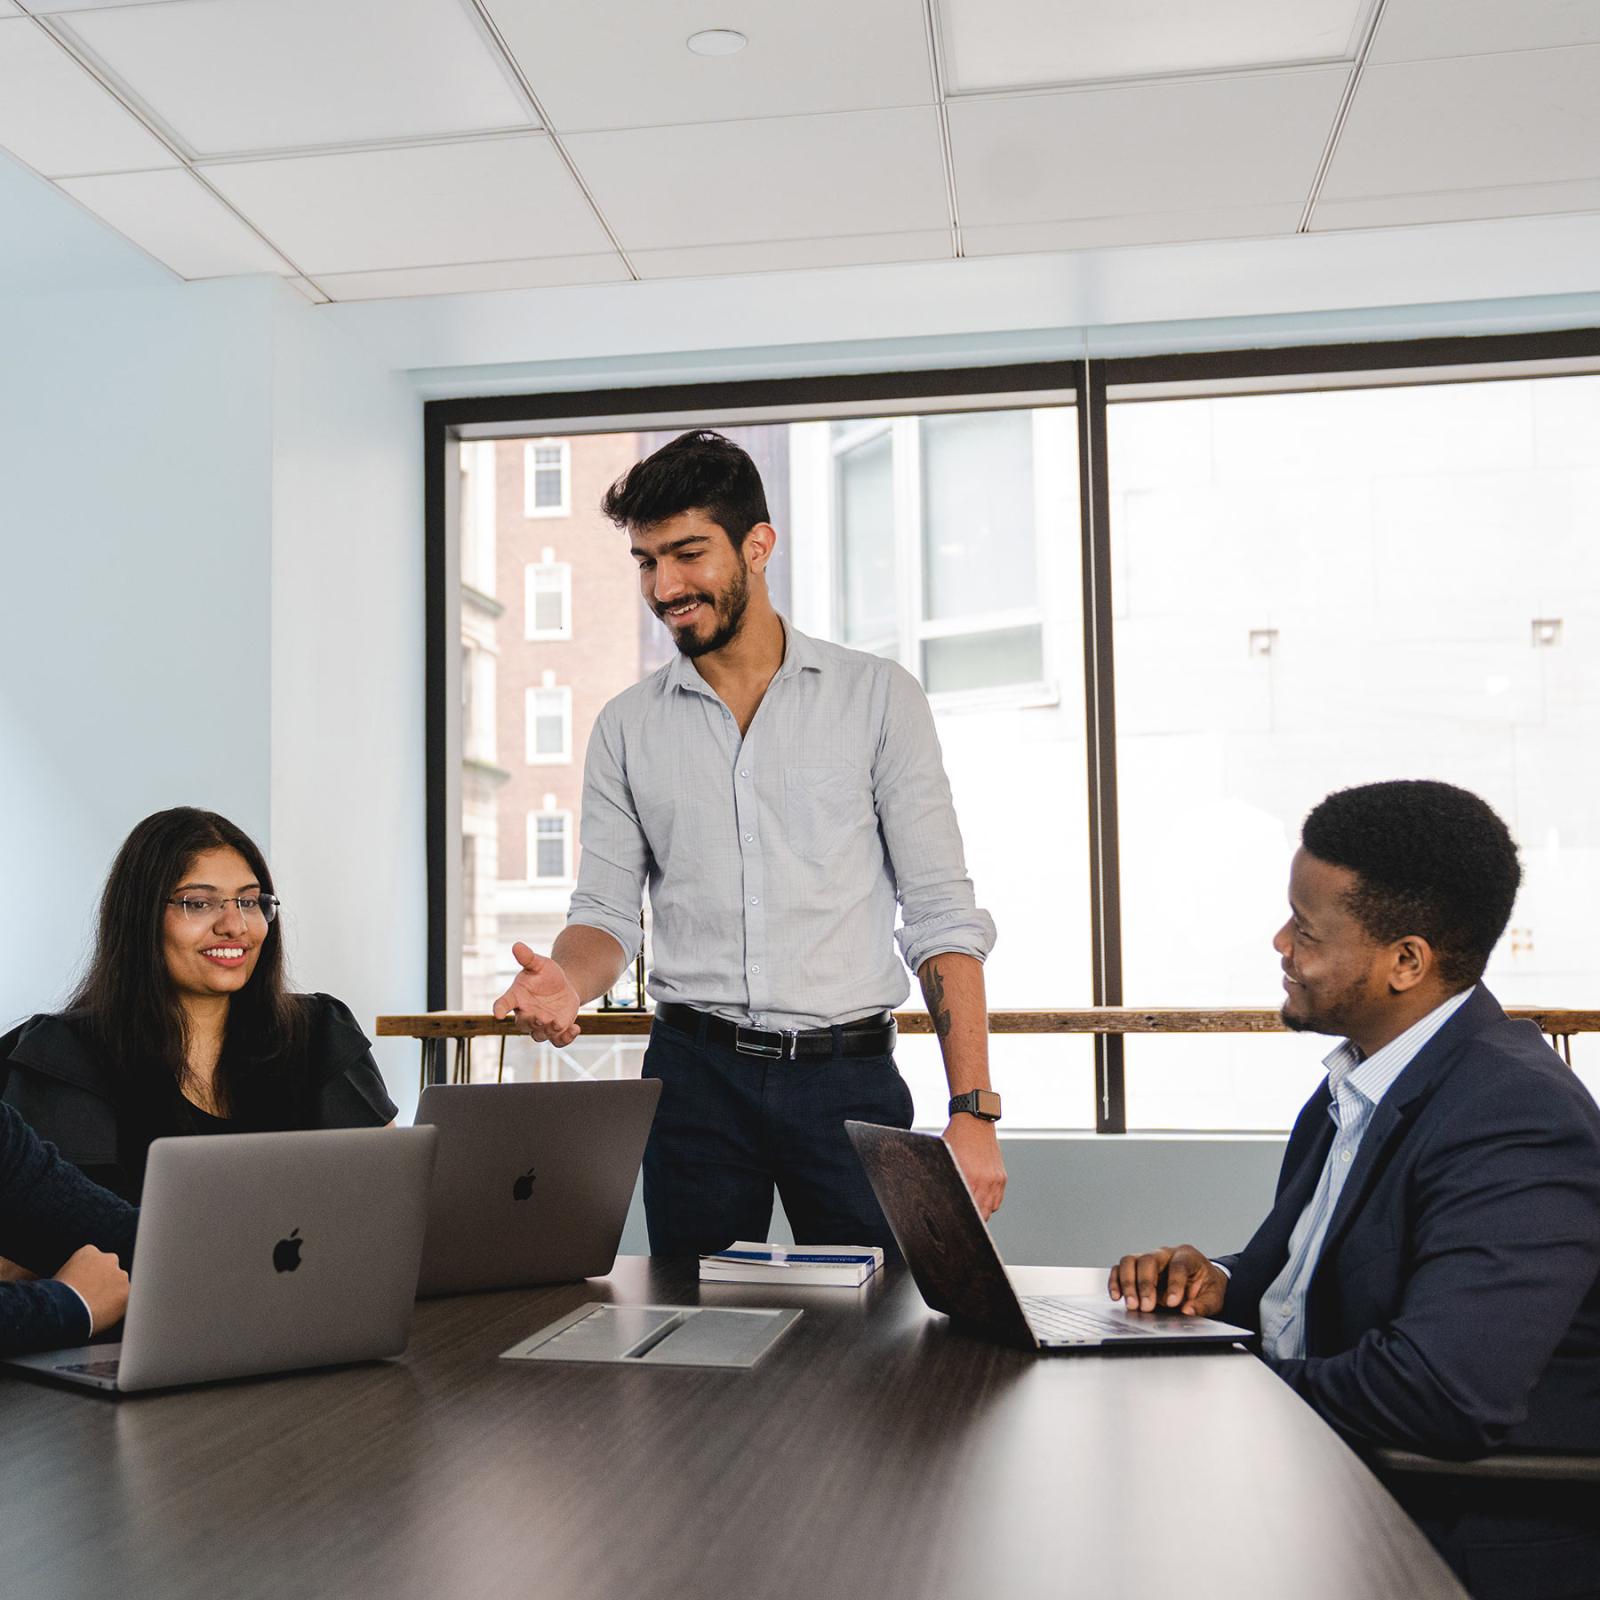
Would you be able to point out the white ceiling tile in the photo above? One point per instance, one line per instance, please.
(792, 255)
(230, 76)
(826, 55)
(854, 172)
(422, 206)
(1182, 146)
(58, 119)
(1457, 205)
(1418, 30)
(476, 278)
(1149, 227)
(1008, 44)
(175, 218)
(7, 9)
(47, 7)
(1478, 122)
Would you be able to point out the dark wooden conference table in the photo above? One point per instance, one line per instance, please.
(874, 1451)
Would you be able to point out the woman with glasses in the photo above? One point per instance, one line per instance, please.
(183, 1023)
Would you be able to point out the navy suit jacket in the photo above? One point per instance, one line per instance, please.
(1455, 1306)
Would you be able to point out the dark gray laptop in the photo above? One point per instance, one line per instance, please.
(266, 1252)
(534, 1180)
(958, 1270)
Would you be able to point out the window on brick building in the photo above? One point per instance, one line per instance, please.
(549, 717)
(549, 845)
(548, 599)
(547, 478)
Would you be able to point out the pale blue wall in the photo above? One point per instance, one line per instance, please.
(134, 543)
(347, 675)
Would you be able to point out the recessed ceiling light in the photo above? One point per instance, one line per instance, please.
(717, 42)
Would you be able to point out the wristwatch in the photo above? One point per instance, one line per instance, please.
(981, 1103)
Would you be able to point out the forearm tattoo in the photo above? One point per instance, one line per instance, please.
(933, 993)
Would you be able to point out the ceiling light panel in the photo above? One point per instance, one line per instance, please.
(1477, 122)
(231, 76)
(1420, 30)
(58, 119)
(175, 218)
(590, 71)
(855, 172)
(477, 278)
(503, 199)
(1174, 147)
(1008, 44)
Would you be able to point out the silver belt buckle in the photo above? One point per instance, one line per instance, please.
(755, 1047)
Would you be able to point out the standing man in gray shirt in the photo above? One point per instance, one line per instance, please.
(780, 796)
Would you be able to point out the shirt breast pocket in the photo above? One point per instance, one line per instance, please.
(824, 808)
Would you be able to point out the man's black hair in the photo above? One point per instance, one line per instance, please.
(1432, 860)
(699, 471)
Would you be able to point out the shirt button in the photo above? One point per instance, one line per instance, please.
(755, 969)
(1345, 1156)
(755, 899)
(744, 772)
(749, 838)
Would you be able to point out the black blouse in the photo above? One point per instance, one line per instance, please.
(52, 1074)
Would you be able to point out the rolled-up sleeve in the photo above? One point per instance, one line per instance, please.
(938, 909)
(614, 859)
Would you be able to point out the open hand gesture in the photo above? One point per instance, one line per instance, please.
(542, 998)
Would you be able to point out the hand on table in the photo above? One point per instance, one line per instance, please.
(98, 1277)
(542, 996)
(977, 1151)
(1192, 1284)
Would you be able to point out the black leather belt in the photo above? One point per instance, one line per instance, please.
(867, 1036)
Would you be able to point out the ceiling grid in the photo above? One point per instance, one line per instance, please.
(370, 149)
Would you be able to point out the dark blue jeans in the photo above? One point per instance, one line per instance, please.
(729, 1127)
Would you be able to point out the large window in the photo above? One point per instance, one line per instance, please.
(1314, 590)
(1297, 578)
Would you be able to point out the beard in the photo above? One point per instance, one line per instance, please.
(1330, 1015)
(727, 609)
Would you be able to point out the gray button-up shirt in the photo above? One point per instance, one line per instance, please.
(775, 861)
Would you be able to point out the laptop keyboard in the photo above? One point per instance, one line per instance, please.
(1060, 1322)
(92, 1369)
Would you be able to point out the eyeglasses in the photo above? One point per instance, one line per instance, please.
(198, 907)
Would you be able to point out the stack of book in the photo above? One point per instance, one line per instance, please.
(841, 1266)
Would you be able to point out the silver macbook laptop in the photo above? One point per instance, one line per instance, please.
(266, 1252)
(534, 1180)
(958, 1270)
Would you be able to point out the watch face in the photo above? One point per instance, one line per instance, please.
(988, 1104)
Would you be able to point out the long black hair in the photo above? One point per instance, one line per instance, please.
(129, 1003)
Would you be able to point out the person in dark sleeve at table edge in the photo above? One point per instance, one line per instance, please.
(1429, 1275)
(76, 1236)
(779, 795)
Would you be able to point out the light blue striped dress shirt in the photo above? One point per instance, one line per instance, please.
(1358, 1087)
(775, 861)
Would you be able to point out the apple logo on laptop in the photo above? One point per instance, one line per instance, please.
(286, 1253)
(522, 1189)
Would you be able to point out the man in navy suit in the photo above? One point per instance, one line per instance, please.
(1429, 1275)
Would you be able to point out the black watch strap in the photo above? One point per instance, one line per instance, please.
(981, 1103)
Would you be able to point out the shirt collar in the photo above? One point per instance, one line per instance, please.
(800, 654)
(1372, 1077)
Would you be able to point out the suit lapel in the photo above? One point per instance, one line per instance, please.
(1399, 1106)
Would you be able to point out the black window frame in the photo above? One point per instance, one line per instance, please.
(1095, 385)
